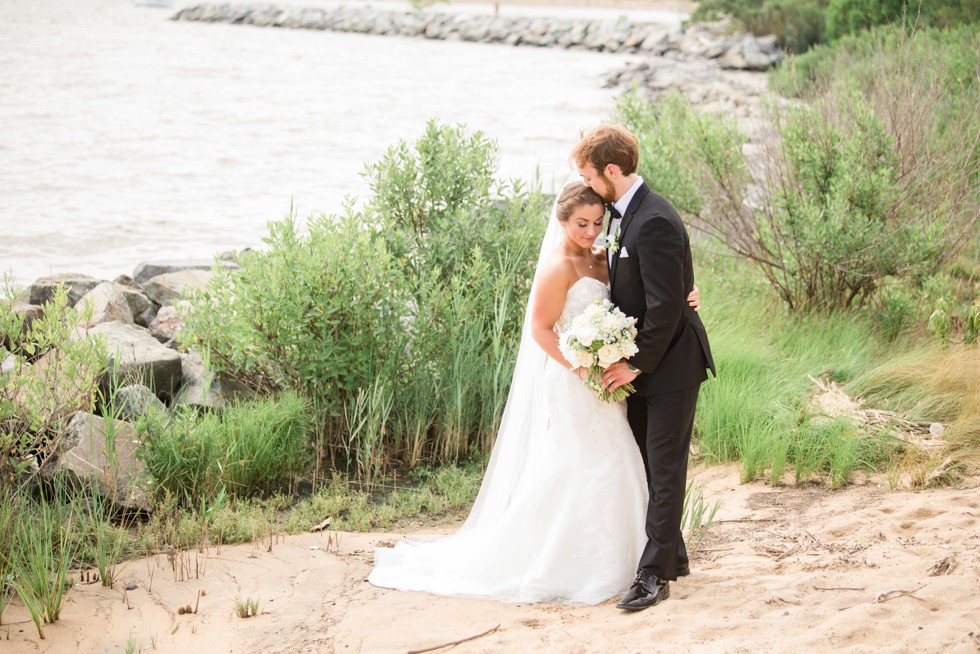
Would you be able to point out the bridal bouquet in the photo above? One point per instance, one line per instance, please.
(597, 338)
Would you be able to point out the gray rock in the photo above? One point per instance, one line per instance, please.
(28, 312)
(754, 56)
(149, 269)
(747, 55)
(92, 451)
(769, 44)
(202, 387)
(166, 288)
(137, 401)
(42, 290)
(167, 324)
(108, 304)
(140, 358)
(133, 292)
(8, 364)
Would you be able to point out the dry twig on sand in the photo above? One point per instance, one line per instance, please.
(836, 588)
(892, 594)
(454, 643)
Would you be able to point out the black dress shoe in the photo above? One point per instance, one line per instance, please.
(648, 590)
(683, 570)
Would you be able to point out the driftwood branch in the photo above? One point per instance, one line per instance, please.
(454, 643)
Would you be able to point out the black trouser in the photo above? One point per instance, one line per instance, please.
(662, 425)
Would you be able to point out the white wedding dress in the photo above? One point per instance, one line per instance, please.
(560, 516)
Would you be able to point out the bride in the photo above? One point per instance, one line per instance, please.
(560, 515)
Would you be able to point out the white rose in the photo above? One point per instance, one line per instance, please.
(586, 335)
(608, 355)
(582, 359)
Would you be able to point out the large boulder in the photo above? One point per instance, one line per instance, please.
(149, 269)
(91, 451)
(203, 388)
(42, 290)
(166, 289)
(138, 357)
(108, 304)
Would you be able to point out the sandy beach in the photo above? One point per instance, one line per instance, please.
(785, 569)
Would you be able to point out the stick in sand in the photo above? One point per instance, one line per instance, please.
(892, 594)
(454, 642)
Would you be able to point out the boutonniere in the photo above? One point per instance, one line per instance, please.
(612, 240)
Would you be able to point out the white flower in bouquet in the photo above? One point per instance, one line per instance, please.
(595, 339)
(608, 355)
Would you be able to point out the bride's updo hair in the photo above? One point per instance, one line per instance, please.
(573, 197)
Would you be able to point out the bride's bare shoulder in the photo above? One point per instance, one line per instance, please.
(557, 270)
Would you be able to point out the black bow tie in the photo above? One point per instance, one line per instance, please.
(613, 212)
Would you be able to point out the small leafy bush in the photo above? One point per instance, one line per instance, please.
(53, 375)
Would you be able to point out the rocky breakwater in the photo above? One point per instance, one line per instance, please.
(622, 35)
(146, 371)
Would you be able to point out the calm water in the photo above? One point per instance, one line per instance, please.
(125, 136)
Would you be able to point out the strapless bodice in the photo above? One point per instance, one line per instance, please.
(581, 294)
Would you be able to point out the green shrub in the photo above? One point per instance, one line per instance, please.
(247, 449)
(399, 322)
(852, 16)
(799, 24)
(53, 376)
(949, 56)
(869, 181)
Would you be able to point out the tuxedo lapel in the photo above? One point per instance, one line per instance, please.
(625, 225)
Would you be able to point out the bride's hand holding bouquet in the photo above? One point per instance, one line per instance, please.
(594, 340)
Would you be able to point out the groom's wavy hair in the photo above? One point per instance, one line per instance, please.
(609, 143)
(573, 196)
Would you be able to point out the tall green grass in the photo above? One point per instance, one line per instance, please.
(757, 410)
(9, 508)
(932, 384)
(246, 449)
(43, 552)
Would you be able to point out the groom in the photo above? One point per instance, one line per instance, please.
(650, 274)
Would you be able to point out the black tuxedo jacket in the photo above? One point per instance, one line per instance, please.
(650, 279)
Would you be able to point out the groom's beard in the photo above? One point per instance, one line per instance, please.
(606, 190)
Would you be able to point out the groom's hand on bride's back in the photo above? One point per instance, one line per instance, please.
(694, 299)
